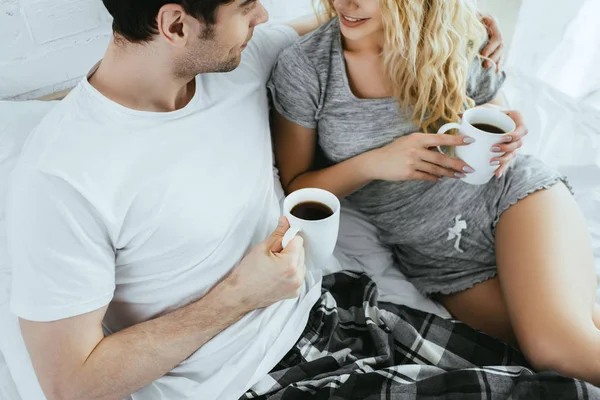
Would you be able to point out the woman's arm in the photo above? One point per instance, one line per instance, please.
(407, 158)
(295, 148)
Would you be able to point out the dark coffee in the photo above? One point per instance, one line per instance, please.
(311, 211)
(489, 128)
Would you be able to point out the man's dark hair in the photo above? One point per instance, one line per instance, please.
(135, 20)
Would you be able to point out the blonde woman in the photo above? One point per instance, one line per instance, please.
(512, 258)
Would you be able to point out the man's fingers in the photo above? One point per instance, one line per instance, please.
(445, 161)
(497, 54)
(492, 48)
(274, 240)
(494, 33)
(294, 248)
(302, 264)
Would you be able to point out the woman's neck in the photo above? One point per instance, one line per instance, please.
(372, 43)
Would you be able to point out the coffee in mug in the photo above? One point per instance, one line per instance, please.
(311, 211)
(313, 214)
(488, 127)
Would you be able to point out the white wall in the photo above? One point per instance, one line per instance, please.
(506, 12)
(47, 45)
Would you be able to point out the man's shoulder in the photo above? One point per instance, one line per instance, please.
(65, 112)
(59, 135)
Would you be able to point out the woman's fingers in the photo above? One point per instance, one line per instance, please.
(521, 129)
(504, 163)
(436, 170)
(432, 140)
(424, 176)
(447, 162)
(507, 148)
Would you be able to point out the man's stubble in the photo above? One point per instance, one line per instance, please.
(207, 57)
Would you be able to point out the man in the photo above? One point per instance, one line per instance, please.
(138, 211)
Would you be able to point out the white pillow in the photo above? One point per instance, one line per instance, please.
(17, 119)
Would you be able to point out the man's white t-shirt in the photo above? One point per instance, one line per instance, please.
(147, 211)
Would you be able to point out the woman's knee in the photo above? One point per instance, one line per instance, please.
(573, 354)
(483, 308)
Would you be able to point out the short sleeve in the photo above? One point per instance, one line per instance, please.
(294, 87)
(265, 46)
(484, 84)
(62, 259)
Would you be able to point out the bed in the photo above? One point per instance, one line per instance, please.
(358, 248)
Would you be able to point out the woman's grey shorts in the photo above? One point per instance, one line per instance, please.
(444, 238)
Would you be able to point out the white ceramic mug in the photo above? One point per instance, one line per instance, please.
(478, 155)
(319, 236)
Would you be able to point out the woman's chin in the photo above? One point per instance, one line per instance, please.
(359, 32)
(353, 34)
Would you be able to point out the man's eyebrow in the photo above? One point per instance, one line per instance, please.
(247, 2)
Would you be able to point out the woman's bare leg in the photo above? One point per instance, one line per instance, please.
(547, 282)
(546, 270)
(483, 308)
(490, 314)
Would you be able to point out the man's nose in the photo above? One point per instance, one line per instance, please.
(262, 15)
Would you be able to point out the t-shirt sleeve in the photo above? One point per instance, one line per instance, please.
(294, 87)
(484, 84)
(265, 46)
(61, 254)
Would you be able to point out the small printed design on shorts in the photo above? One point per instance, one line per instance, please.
(456, 232)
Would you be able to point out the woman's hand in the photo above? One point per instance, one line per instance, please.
(410, 158)
(514, 141)
(495, 48)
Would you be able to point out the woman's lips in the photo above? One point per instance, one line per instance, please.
(352, 22)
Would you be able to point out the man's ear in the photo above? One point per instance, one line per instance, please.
(173, 24)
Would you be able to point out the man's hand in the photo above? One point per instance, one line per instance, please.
(270, 273)
(73, 359)
(307, 24)
(495, 48)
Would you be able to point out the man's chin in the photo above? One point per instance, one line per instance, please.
(231, 65)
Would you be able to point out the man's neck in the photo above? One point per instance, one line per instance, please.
(136, 78)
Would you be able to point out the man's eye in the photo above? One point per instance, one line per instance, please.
(249, 7)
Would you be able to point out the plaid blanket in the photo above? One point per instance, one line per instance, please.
(355, 347)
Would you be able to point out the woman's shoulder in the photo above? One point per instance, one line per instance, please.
(316, 46)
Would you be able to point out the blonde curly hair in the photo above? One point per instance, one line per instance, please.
(428, 50)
